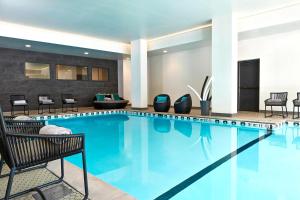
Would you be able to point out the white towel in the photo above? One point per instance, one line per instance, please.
(70, 100)
(23, 118)
(54, 130)
(20, 102)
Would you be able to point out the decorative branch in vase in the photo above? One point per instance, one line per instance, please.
(205, 96)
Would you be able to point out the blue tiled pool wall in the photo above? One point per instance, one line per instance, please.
(236, 123)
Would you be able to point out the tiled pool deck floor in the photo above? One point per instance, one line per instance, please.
(97, 188)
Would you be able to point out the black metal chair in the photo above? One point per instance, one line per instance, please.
(24, 151)
(278, 99)
(183, 105)
(23, 127)
(19, 101)
(296, 103)
(162, 106)
(68, 100)
(44, 100)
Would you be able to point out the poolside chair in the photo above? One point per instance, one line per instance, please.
(162, 103)
(277, 99)
(183, 105)
(296, 103)
(19, 101)
(68, 100)
(44, 100)
(24, 151)
(19, 126)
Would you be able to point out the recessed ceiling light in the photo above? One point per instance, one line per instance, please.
(165, 51)
(27, 45)
(86, 53)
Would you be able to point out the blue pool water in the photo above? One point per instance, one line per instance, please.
(146, 156)
(269, 170)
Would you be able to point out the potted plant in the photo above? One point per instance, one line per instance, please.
(205, 97)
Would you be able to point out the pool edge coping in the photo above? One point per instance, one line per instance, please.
(217, 120)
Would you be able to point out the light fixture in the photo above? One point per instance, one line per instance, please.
(86, 53)
(165, 51)
(27, 45)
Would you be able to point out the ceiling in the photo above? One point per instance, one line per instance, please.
(122, 20)
(13, 43)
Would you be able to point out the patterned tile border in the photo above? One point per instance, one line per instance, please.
(232, 122)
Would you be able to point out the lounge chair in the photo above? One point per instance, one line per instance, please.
(109, 101)
(45, 100)
(20, 152)
(296, 103)
(183, 105)
(68, 100)
(162, 103)
(19, 101)
(278, 99)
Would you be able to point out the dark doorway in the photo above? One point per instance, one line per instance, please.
(248, 85)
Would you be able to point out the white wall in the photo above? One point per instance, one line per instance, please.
(279, 63)
(170, 73)
(279, 56)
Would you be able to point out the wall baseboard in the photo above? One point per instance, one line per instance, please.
(223, 114)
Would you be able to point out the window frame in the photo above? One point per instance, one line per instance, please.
(28, 78)
(73, 66)
(98, 67)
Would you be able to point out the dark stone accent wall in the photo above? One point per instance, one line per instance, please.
(13, 80)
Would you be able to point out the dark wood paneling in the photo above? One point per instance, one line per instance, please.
(13, 80)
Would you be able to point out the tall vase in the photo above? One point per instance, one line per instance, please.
(205, 106)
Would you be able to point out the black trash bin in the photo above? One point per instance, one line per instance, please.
(205, 105)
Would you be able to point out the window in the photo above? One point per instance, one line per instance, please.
(99, 74)
(37, 71)
(64, 72)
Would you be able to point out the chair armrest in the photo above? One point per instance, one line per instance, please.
(267, 100)
(29, 150)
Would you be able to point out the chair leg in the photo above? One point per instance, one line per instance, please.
(1, 165)
(12, 111)
(286, 112)
(298, 112)
(282, 112)
(27, 110)
(86, 188)
(62, 108)
(293, 112)
(265, 111)
(40, 106)
(62, 169)
(9, 183)
(271, 111)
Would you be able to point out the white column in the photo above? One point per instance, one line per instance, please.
(139, 74)
(224, 59)
(120, 78)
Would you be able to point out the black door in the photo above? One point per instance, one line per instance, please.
(248, 85)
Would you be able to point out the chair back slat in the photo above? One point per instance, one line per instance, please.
(4, 146)
(17, 97)
(298, 95)
(279, 95)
